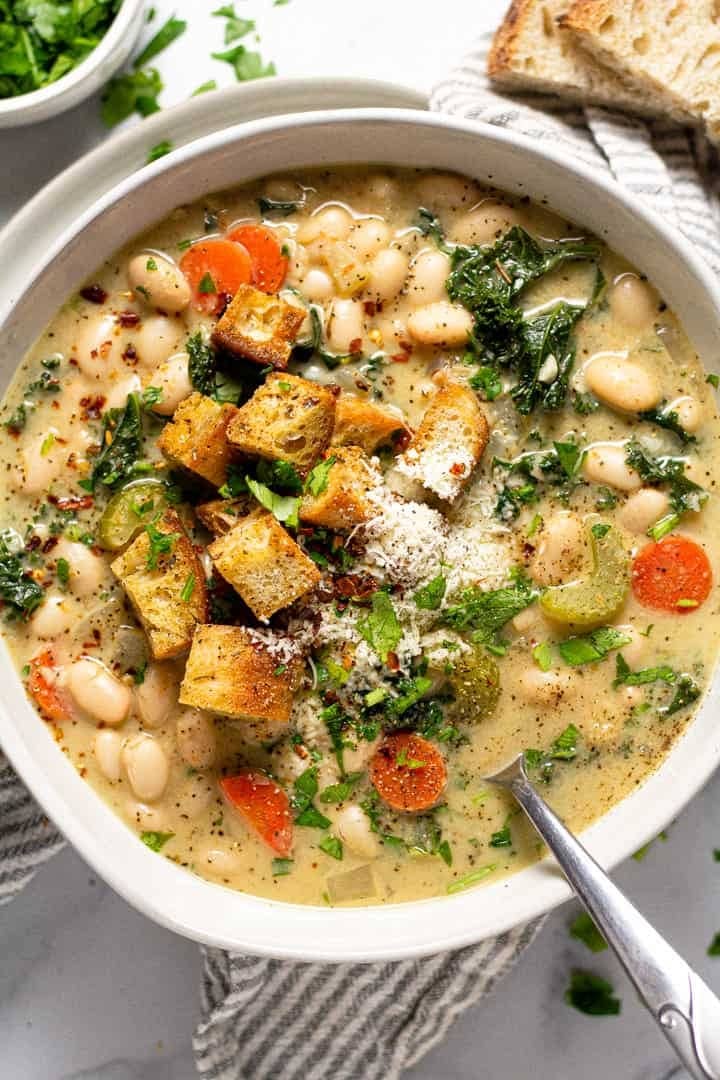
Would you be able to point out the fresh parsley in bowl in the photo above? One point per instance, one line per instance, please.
(53, 53)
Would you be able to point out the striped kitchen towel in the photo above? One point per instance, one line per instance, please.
(267, 1018)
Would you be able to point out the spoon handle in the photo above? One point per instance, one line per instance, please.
(685, 1008)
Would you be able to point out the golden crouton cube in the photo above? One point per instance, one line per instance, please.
(259, 326)
(450, 441)
(165, 584)
(219, 515)
(196, 438)
(235, 673)
(341, 500)
(361, 423)
(286, 419)
(263, 564)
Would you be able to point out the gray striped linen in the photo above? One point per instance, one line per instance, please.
(264, 1018)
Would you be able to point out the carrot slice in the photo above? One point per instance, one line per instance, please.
(50, 698)
(672, 575)
(269, 265)
(264, 805)
(215, 269)
(408, 772)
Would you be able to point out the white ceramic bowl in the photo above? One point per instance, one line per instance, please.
(83, 80)
(168, 894)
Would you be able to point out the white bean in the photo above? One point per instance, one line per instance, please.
(334, 222)
(107, 746)
(388, 272)
(345, 325)
(636, 649)
(146, 766)
(621, 383)
(98, 693)
(157, 340)
(99, 343)
(172, 378)
(446, 191)
(317, 285)
(605, 464)
(54, 617)
(354, 830)
(159, 282)
(484, 224)
(440, 324)
(427, 277)
(41, 461)
(643, 509)
(545, 687)
(632, 301)
(368, 237)
(562, 550)
(690, 413)
(87, 571)
(157, 694)
(195, 736)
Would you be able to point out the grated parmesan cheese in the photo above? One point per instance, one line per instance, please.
(403, 541)
(441, 469)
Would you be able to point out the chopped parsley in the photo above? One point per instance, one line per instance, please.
(246, 65)
(159, 150)
(381, 628)
(714, 946)
(207, 285)
(332, 847)
(168, 32)
(591, 994)
(156, 840)
(160, 543)
(284, 507)
(318, 477)
(584, 929)
(502, 838)
(485, 613)
(188, 588)
(686, 689)
(468, 880)
(235, 26)
(134, 91)
(305, 789)
(281, 867)
(430, 596)
(62, 569)
(592, 647)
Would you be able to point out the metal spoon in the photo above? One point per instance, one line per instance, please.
(685, 1008)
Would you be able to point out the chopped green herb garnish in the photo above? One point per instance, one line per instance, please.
(714, 946)
(235, 26)
(280, 867)
(592, 647)
(159, 150)
(62, 569)
(284, 507)
(121, 445)
(204, 88)
(207, 285)
(156, 840)
(585, 930)
(430, 596)
(160, 543)
(168, 32)
(318, 477)
(591, 994)
(380, 628)
(188, 588)
(542, 655)
(332, 847)
(565, 746)
(471, 879)
(246, 65)
(713, 379)
(502, 838)
(135, 91)
(338, 793)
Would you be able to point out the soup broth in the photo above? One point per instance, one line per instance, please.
(331, 494)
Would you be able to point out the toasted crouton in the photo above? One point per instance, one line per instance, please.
(170, 598)
(259, 326)
(219, 515)
(263, 564)
(232, 672)
(449, 443)
(196, 438)
(360, 423)
(286, 419)
(342, 503)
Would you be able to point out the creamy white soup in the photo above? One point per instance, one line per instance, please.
(328, 496)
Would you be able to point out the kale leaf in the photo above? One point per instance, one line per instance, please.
(485, 613)
(17, 588)
(117, 461)
(201, 364)
(684, 494)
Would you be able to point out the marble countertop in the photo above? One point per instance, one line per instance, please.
(91, 989)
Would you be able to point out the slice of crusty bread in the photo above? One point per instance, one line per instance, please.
(670, 48)
(531, 51)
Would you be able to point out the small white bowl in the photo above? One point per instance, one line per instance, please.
(95, 70)
(175, 897)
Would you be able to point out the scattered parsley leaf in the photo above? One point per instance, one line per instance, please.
(135, 91)
(168, 32)
(430, 596)
(284, 507)
(332, 847)
(235, 27)
(156, 840)
(318, 477)
(280, 867)
(584, 929)
(381, 628)
(159, 150)
(247, 65)
(591, 994)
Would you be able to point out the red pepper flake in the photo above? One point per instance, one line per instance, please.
(355, 346)
(358, 586)
(130, 354)
(94, 294)
(400, 357)
(49, 544)
(458, 469)
(72, 502)
(93, 406)
(128, 318)
(369, 307)
(393, 664)
(33, 543)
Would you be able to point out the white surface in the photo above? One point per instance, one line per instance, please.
(87, 987)
(181, 901)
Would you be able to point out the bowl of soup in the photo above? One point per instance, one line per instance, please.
(347, 457)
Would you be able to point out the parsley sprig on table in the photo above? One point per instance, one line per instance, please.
(41, 42)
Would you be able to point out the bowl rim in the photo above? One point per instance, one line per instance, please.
(367, 933)
(69, 84)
